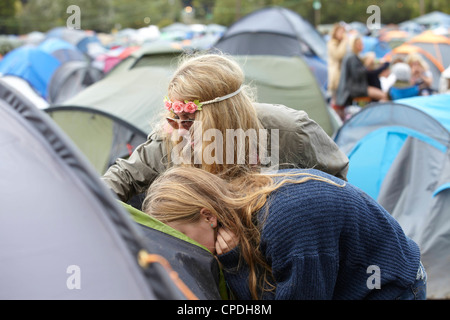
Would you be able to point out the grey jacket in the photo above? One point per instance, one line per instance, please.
(302, 143)
(353, 81)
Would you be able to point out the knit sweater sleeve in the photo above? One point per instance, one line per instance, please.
(236, 274)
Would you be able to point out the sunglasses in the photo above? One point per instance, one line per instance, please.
(185, 124)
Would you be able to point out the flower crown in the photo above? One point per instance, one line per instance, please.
(192, 106)
(178, 106)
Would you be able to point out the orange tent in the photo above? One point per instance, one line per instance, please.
(405, 49)
(438, 46)
(394, 37)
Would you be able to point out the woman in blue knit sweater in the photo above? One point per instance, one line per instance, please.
(298, 234)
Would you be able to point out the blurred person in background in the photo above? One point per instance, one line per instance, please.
(337, 48)
(420, 73)
(353, 82)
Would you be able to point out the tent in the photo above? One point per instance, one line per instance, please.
(71, 78)
(277, 31)
(373, 44)
(31, 64)
(61, 50)
(113, 116)
(433, 19)
(274, 31)
(86, 41)
(26, 90)
(400, 155)
(395, 37)
(436, 45)
(64, 236)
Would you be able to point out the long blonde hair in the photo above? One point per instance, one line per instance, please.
(205, 77)
(181, 192)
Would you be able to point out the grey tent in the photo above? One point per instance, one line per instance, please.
(277, 31)
(273, 31)
(71, 78)
(64, 236)
(400, 155)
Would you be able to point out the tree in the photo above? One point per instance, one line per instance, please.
(43, 15)
(8, 21)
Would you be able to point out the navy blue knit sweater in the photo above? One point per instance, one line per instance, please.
(322, 242)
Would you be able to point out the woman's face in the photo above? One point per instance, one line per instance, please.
(339, 35)
(358, 45)
(201, 231)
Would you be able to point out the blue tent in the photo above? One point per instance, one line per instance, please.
(82, 39)
(31, 64)
(400, 155)
(380, 48)
(61, 49)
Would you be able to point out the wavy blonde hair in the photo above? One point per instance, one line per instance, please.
(181, 192)
(205, 77)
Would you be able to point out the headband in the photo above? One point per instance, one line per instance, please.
(192, 106)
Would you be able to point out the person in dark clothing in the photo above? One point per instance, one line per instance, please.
(353, 82)
(295, 234)
(373, 71)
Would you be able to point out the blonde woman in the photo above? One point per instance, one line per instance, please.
(206, 101)
(297, 234)
(337, 48)
(420, 73)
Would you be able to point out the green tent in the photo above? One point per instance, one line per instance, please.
(113, 116)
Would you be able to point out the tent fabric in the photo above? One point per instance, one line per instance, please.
(436, 106)
(32, 65)
(399, 154)
(287, 81)
(277, 31)
(25, 89)
(57, 217)
(135, 96)
(372, 44)
(432, 19)
(71, 78)
(86, 41)
(113, 116)
(437, 45)
(281, 25)
(61, 50)
(100, 136)
(194, 260)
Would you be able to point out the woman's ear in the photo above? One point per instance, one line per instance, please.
(209, 217)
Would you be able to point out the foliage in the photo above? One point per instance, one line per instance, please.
(104, 15)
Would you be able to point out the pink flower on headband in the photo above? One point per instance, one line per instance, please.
(177, 106)
(190, 107)
(167, 104)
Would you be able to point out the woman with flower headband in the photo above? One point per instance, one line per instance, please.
(210, 89)
(295, 234)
